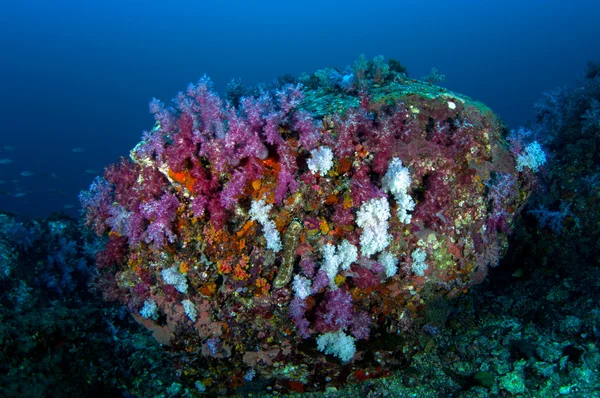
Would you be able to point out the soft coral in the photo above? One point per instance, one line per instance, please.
(161, 213)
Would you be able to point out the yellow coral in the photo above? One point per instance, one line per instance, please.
(324, 227)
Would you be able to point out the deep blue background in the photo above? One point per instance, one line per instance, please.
(81, 73)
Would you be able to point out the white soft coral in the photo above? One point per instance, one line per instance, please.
(338, 344)
(334, 259)
(389, 262)
(321, 160)
(259, 211)
(533, 157)
(397, 182)
(373, 217)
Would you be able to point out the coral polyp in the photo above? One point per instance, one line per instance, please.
(287, 231)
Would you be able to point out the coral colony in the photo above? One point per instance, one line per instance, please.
(282, 232)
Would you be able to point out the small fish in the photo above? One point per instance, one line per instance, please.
(68, 206)
(78, 150)
(6, 161)
(90, 171)
(2, 182)
(26, 173)
(20, 194)
(9, 148)
(53, 175)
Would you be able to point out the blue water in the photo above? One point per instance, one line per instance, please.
(79, 74)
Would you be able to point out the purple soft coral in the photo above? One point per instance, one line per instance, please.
(208, 104)
(96, 203)
(335, 311)
(163, 116)
(290, 97)
(297, 313)
(310, 132)
(161, 214)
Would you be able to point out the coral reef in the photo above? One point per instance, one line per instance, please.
(318, 214)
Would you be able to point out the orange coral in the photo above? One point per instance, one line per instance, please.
(290, 201)
(362, 151)
(324, 227)
(347, 201)
(331, 200)
(184, 268)
(282, 220)
(262, 287)
(344, 166)
(272, 164)
(239, 274)
(222, 244)
(245, 229)
(184, 178)
(208, 290)
(224, 267)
